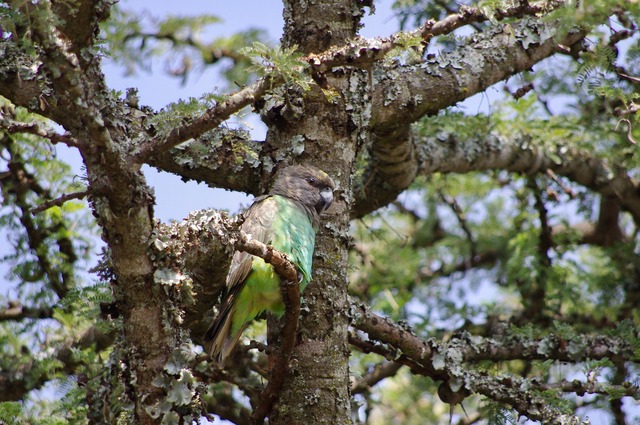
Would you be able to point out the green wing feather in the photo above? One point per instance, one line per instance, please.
(252, 285)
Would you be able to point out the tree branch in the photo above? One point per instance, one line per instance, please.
(210, 53)
(233, 161)
(9, 123)
(81, 21)
(404, 94)
(445, 361)
(605, 232)
(515, 153)
(59, 201)
(474, 348)
(211, 119)
(281, 264)
(15, 311)
(362, 53)
(291, 297)
(580, 388)
(68, 66)
(290, 289)
(462, 220)
(378, 373)
(393, 153)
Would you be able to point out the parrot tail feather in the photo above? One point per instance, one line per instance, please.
(228, 344)
(222, 342)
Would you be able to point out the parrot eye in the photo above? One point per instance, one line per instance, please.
(310, 180)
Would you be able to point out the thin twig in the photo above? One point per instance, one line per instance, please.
(13, 127)
(380, 371)
(16, 311)
(462, 219)
(568, 190)
(59, 201)
(581, 387)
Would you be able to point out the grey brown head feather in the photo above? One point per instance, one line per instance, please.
(310, 187)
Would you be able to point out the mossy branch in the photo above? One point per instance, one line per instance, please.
(449, 361)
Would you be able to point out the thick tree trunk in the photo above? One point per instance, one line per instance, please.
(316, 389)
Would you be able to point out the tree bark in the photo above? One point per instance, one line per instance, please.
(316, 389)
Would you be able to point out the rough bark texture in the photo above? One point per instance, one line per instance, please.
(403, 94)
(354, 123)
(316, 388)
(121, 200)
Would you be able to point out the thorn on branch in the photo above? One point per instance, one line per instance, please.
(629, 126)
(569, 191)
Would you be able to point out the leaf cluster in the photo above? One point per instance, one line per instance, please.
(280, 63)
(183, 43)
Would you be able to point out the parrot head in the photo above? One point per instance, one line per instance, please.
(310, 187)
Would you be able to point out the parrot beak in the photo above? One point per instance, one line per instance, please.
(326, 196)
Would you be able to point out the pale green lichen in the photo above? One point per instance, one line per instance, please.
(182, 390)
(576, 347)
(439, 360)
(179, 384)
(168, 277)
(547, 345)
(181, 357)
(203, 152)
(171, 418)
(533, 33)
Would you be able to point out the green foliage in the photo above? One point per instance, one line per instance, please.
(554, 398)
(137, 41)
(44, 255)
(50, 243)
(497, 414)
(403, 401)
(9, 412)
(582, 284)
(463, 253)
(596, 63)
(408, 49)
(281, 63)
